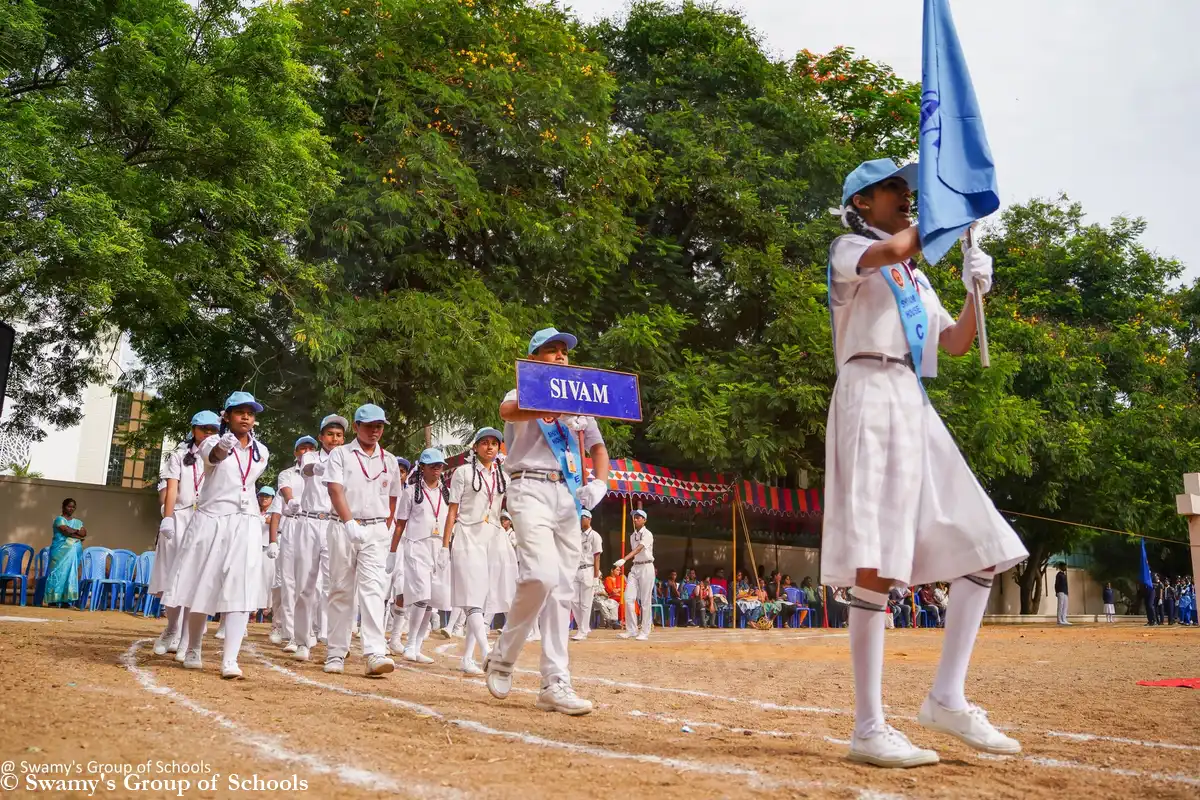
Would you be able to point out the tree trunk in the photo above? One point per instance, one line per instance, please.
(1030, 579)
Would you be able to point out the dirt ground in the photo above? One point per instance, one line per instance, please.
(689, 714)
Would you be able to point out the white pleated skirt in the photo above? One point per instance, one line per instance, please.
(422, 581)
(268, 578)
(899, 497)
(470, 579)
(502, 573)
(220, 566)
(166, 552)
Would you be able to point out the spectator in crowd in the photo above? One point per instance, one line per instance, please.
(786, 607)
(898, 604)
(1159, 600)
(1147, 593)
(812, 599)
(670, 593)
(768, 596)
(1110, 606)
(933, 614)
(614, 587)
(748, 604)
(1060, 591)
(1169, 600)
(941, 598)
(689, 577)
(66, 547)
(719, 579)
(839, 608)
(701, 609)
(1187, 602)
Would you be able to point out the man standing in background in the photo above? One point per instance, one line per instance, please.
(1060, 590)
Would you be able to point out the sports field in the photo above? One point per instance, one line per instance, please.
(688, 714)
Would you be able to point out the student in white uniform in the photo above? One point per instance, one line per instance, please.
(309, 535)
(476, 492)
(502, 556)
(363, 482)
(184, 475)
(586, 577)
(269, 505)
(639, 581)
(289, 487)
(902, 506)
(545, 495)
(420, 519)
(396, 618)
(220, 568)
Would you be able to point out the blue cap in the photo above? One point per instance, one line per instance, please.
(369, 413)
(548, 335)
(243, 399)
(404, 463)
(637, 512)
(585, 513)
(870, 173)
(267, 490)
(306, 440)
(483, 433)
(206, 419)
(431, 455)
(505, 515)
(334, 419)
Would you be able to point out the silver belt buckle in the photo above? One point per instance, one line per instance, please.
(554, 476)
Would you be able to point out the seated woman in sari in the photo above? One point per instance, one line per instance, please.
(749, 606)
(62, 578)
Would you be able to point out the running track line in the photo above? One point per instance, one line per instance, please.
(754, 778)
(274, 747)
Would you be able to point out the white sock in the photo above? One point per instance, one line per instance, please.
(235, 630)
(196, 623)
(866, 655)
(476, 633)
(416, 618)
(173, 625)
(962, 624)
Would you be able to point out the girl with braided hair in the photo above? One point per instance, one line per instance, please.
(902, 505)
(420, 520)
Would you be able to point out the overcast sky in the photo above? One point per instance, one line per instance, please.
(1095, 98)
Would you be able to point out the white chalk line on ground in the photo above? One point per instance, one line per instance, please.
(24, 619)
(1057, 763)
(1092, 737)
(274, 747)
(754, 778)
(742, 635)
(741, 731)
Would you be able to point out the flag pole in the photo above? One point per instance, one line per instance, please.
(980, 320)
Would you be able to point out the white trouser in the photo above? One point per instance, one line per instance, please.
(357, 571)
(321, 623)
(286, 609)
(581, 605)
(639, 588)
(1062, 607)
(549, 540)
(307, 536)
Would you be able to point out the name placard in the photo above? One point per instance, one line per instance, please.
(557, 389)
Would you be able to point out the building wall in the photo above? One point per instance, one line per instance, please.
(1083, 593)
(114, 517)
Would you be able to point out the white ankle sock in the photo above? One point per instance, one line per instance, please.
(416, 618)
(425, 626)
(196, 623)
(866, 655)
(173, 624)
(968, 601)
(476, 634)
(235, 631)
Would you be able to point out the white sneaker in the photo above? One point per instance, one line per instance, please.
(180, 655)
(173, 645)
(459, 633)
(560, 697)
(626, 635)
(335, 665)
(220, 634)
(396, 646)
(499, 679)
(291, 647)
(312, 641)
(970, 726)
(442, 632)
(231, 671)
(533, 637)
(162, 644)
(469, 666)
(642, 637)
(302, 654)
(888, 747)
(416, 656)
(379, 665)
(579, 637)
(191, 660)
(276, 638)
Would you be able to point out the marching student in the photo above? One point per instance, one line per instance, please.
(420, 520)
(902, 505)
(586, 577)
(502, 556)
(184, 475)
(639, 585)
(396, 624)
(269, 506)
(363, 482)
(309, 535)
(283, 592)
(476, 491)
(219, 569)
(546, 493)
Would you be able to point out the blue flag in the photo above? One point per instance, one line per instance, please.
(1147, 578)
(956, 184)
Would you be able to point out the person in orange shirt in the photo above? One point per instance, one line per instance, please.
(614, 587)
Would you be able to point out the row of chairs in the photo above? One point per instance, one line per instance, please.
(802, 615)
(108, 579)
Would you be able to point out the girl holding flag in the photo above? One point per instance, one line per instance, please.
(904, 507)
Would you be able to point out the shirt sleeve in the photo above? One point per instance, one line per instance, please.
(458, 483)
(597, 544)
(206, 448)
(173, 466)
(591, 436)
(276, 506)
(284, 481)
(394, 474)
(844, 255)
(511, 397)
(335, 467)
(404, 504)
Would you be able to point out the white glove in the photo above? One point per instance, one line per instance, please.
(391, 563)
(355, 531)
(293, 508)
(443, 559)
(228, 442)
(576, 423)
(591, 495)
(273, 550)
(620, 562)
(318, 469)
(166, 528)
(976, 264)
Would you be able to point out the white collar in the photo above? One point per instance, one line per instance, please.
(356, 445)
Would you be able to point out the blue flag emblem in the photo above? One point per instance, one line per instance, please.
(956, 184)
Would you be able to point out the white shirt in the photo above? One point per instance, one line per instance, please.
(643, 537)
(276, 507)
(231, 487)
(592, 547)
(527, 448)
(866, 318)
(289, 478)
(476, 506)
(190, 478)
(314, 498)
(426, 519)
(369, 480)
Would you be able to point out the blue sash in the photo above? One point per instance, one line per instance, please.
(560, 441)
(913, 316)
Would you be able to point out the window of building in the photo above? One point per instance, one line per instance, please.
(124, 407)
(116, 467)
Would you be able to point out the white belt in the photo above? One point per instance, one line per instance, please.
(639, 563)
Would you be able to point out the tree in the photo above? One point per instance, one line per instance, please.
(21, 470)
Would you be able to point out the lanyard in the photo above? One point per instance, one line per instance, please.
(197, 479)
(249, 464)
(363, 467)
(437, 511)
(491, 490)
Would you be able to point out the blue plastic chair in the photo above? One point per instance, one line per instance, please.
(41, 568)
(93, 568)
(657, 608)
(140, 600)
(114, 588)
(722, 611)
(14, 568)
(796, 597)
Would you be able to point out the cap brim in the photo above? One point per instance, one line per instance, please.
(909, 173)
(253, 406)
(566, 338)
(369, 421)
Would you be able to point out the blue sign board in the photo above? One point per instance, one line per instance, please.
(559, 389)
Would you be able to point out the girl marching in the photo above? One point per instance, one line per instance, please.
(184, 475)
(476, 492)
(904, 507)
(219, 569)
(271, 508)
(502, 555)
(283, 593)
(420, 520)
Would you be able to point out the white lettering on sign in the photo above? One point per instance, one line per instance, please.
(561, 389)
